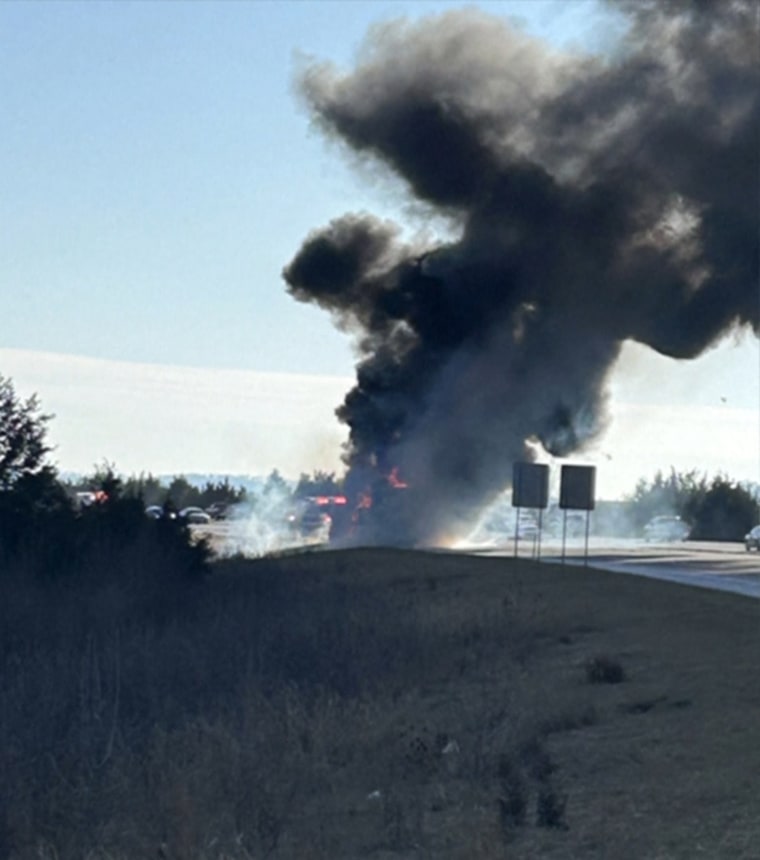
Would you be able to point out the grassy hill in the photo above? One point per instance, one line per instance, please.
(380, 704)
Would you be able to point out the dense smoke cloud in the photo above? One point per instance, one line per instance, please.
(595, 201)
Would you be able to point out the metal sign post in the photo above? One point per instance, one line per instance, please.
(576, 493)
(530, 489)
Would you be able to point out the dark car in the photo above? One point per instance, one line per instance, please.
(158, 512)
(309, 518)
(218, 510)
(314, 516)
(752, 539)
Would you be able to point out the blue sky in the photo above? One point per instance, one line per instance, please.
(157, 171)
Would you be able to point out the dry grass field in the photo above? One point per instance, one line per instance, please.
(393, 705)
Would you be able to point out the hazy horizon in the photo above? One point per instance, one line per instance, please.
(170, 420)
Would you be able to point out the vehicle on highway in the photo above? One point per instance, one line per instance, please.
(526, 527)
(218, 510)
(666, 528)
(194, 515)
(752, 539)
(85, 499)
(157, 512)
(313, 516)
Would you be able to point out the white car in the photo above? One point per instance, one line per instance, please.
(196, 516)
(666, 529)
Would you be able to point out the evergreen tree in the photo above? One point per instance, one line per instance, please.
(23, 430)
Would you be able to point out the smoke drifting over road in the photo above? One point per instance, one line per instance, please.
(595, 201)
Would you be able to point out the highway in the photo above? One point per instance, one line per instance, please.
(722, 566)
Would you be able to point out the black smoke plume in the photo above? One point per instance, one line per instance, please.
(593, 200)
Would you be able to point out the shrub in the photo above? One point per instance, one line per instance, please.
(550, 809)
(604, 670)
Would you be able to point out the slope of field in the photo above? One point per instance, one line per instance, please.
(387, 704)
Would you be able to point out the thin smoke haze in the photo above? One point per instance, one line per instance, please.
(594, 201)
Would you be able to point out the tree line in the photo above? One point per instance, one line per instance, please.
(715, 508)
(45, 535)
(179, 492)
(45, 530)
(38, 518)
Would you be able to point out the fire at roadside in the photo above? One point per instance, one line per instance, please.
(589, 201)
(374, 515)
(367, 515)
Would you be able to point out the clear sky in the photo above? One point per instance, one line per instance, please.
(158, 170)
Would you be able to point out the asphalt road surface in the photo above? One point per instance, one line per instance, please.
(723, 566)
